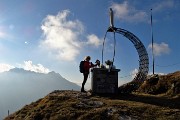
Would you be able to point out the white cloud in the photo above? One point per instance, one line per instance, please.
(128, 13)
(163, 5)
(28, 65)
(159, 49)
(93, 40)
(61, 37)
(134, 72)
(5, 67)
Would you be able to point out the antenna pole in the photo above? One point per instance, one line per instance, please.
(152, 41)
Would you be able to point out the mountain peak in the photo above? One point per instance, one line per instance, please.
(21, 70)
(28, 86)
(53, 73)
(18, 70)
(63, 104)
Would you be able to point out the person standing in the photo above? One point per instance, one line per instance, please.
(87, 65)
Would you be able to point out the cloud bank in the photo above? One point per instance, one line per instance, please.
(62, 37)
(163, 5)
(128, 13)
(27, 65)
(5, 67)
(159, 49)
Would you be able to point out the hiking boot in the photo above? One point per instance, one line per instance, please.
(82, 90)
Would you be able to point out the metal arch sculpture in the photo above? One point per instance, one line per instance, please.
(143, 56)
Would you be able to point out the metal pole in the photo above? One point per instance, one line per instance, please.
(152, 41)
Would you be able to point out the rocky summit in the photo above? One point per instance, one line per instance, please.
(74, 105)
(157, 98)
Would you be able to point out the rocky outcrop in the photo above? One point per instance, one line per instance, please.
(162, 84)
(155, 84)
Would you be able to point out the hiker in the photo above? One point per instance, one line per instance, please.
(86, 66)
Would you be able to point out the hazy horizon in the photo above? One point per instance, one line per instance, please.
(20, 87)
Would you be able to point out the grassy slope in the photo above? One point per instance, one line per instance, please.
(156, 99)
(75, 105)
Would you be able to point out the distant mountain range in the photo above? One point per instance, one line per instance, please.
(19, 87)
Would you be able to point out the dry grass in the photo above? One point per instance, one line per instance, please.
(163, 84)
(76, 105)
(162, 103)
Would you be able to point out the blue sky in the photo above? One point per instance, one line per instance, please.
(55, 35)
